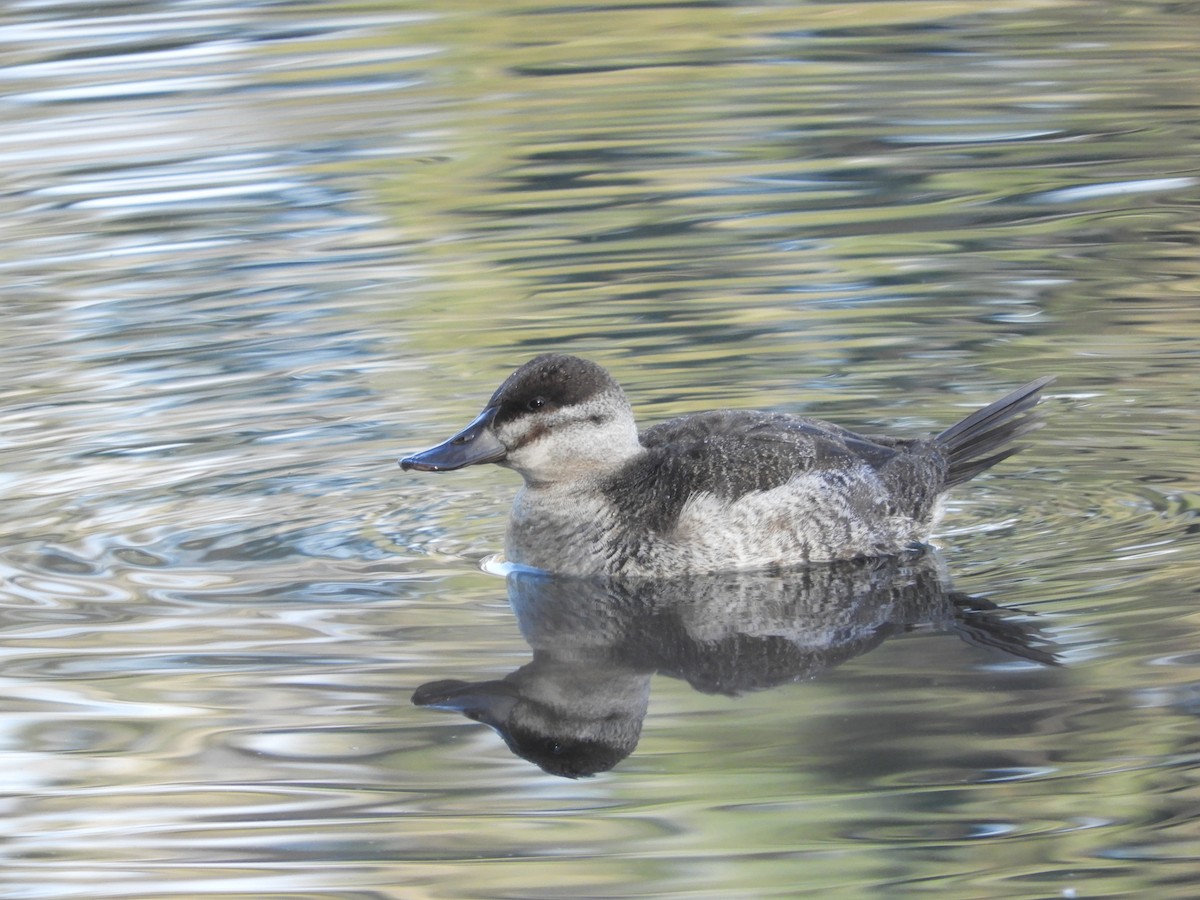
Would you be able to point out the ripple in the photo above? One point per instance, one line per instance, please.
(1113, 188)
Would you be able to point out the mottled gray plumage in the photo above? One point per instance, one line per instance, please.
(715, 491)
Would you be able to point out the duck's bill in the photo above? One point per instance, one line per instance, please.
(489, 702)
(474, 444)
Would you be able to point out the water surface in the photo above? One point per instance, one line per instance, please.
(253, 253)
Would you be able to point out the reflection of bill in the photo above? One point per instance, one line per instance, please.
(577, 707)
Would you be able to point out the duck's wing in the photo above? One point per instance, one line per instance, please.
(782, 445)
(730, 454)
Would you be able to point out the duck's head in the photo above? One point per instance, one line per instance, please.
(556, 418)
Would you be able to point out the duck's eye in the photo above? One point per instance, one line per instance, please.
(535, 404)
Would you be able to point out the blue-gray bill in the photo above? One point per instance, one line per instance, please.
(474, 444)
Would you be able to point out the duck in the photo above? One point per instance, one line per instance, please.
(728, 490)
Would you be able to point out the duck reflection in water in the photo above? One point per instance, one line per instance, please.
(577, 708)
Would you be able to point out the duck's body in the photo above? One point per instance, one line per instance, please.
(729, 490)
(711, 492)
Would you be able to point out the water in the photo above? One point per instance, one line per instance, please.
(253, 253)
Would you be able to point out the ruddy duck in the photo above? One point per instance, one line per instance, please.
(712, 492)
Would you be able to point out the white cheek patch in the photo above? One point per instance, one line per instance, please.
(565, 447)
(593, 436)
(532, 455)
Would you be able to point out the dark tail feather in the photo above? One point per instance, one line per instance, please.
(982, 623)
(967, 444)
